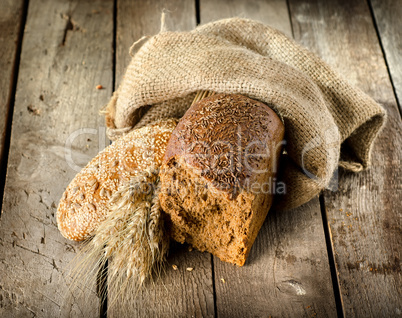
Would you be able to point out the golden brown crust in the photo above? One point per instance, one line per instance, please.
(85, 202)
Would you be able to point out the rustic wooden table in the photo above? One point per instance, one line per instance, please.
(338, 255)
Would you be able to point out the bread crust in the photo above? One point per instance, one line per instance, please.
(216, 133)
(85, 202)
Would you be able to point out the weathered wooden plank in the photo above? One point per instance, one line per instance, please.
(177, 293)
(287, 273)
(141, 18)
(11, 18)
(272, 12)
(66, 52)
(364, 215)
(387, 15)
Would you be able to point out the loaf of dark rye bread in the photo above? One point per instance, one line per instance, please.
(218, 174)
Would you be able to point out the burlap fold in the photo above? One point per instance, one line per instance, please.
(320, 110)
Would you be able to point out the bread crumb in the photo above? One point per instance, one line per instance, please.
(99, 86)
(223, 280)
(175, 267)
(189, 269)
(190, 249)
(33, 110)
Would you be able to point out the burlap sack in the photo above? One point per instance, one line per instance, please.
(320, 110)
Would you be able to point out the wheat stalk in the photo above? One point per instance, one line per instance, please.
(132, 238)
(201, 95)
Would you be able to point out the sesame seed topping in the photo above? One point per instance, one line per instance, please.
(140, 148)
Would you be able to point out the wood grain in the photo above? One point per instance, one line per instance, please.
(177, 293)
(364, 214)
(11, 18)
(273, 12)
(139, 18)
(66, 52)
(287, 273)
(387, 15)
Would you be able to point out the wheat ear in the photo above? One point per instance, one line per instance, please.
(131, 238)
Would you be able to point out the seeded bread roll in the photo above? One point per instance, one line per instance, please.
(218, 174)
(85, 203)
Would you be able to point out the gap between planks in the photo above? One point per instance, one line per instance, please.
(386, 18)
(8, 103)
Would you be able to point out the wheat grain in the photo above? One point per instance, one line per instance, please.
(131, 238)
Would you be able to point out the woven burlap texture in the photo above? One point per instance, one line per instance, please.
(320, 110)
